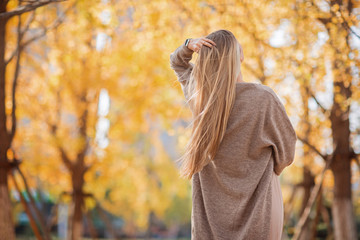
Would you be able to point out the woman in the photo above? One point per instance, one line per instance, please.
(241, 140)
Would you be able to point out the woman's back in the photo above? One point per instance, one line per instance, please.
(232, 194)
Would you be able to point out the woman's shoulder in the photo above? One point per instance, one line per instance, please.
(256, 94)
(272, 95)
(255, 88)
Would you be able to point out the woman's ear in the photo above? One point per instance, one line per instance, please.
(241, 54)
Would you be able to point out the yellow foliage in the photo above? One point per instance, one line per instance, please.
(124, 49)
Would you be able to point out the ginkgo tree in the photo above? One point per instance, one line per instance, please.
(17, 19)
(325, 65)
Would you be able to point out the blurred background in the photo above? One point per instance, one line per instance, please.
(92, 117)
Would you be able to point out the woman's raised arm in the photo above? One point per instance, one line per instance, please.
(180, 59)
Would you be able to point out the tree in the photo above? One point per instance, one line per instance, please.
(338, 58)
(8, 115)
(71, 73)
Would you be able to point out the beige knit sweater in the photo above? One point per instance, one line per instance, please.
(231, 196)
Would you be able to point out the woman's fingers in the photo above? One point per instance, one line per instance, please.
(208, 40)
(211, 41)
(203, 41)
(207, 44)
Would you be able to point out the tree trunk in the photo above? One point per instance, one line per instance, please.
(77, 223)
(6, 222)
(342, 207)
(78, 203)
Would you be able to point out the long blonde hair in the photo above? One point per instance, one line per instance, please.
(212, 87)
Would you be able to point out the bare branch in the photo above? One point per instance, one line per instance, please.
(344, 23)
(26, 8)
(290, 205)
(65, 158)
(27, 209)
(314, 193)
(11, 56)
(22, 33)
(27, 24)
(32, 203)
(324, 156)
(54, 25)
(323, 109)
(356, 157)
(324, 21)
(54, 130)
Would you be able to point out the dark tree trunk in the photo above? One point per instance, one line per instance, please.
(78, 204)
(342, 207)
(6, 221)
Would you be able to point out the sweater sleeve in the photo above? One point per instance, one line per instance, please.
(279, 133)
(180, 63)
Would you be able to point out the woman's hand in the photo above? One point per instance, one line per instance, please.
(196, 43)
